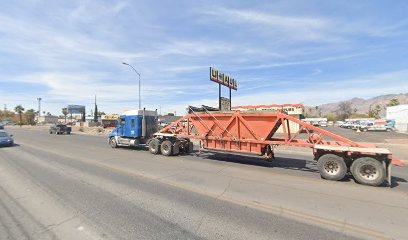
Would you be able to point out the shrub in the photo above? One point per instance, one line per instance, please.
(81, 129)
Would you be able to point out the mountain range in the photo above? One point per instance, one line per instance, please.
(358, 105)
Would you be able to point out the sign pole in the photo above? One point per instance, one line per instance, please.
(230, 100)
(219, 96)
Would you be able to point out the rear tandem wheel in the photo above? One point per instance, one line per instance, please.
(166, 148)
(332, 167)
(368, 171)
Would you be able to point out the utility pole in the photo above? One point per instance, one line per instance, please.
(39, 108)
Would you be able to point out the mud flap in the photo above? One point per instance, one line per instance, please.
(388, 166)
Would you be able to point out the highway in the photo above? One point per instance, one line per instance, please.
(77, 187)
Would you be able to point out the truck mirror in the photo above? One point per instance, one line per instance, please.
(122, 122)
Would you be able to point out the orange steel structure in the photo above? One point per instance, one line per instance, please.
(255, 133)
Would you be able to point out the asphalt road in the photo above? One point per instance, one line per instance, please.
(61, 187)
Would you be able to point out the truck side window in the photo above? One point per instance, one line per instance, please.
(133, 123)
(122, 122)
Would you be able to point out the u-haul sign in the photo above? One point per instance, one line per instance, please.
(223, 79)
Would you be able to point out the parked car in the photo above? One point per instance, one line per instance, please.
(346, 125)
(355, 125)
(323, 124)
(1, 127)
(60, 129)
(6, 139)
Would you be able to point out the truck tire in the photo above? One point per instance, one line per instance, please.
(176, 148)
(368, 171)
(332, 167)
(190, 147)
(113, 143)
(166, 148)
(154, 146)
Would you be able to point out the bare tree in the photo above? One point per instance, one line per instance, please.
(345, 110)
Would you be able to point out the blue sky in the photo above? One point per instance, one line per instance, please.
(309, 52)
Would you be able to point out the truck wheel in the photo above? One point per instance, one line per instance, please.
(154, 146)
(332, 167)
(368, 171)
(113, 143)
(166, 148)
(176, 148)
(190, 147)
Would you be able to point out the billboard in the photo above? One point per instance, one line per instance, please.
(75, 109)
(223, 79)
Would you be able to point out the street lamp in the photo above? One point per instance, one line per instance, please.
(140, 107)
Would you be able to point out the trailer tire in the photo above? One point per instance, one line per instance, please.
(332, 167)
(166, 148)
(113, 143)
(154, 146)
(368, 171)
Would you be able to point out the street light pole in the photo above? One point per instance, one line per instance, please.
(39, 106)
(140, 105)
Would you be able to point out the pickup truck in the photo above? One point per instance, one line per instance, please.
(60, 129)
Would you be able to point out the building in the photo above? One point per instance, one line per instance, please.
(400, 115)
(293, 110)
(47, 119)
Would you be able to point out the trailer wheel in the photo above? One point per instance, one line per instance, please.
(368, 171)
(154, 146)
(166, 148)
(332, 167)
(113, 143)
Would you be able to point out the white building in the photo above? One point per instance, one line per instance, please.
(400, 115)
(47, 119)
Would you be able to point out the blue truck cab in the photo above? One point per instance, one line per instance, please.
(135, 128)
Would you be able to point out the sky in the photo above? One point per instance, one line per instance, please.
(309, 52)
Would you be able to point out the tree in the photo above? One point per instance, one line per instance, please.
(170, 114)
(374, 113)
(393, 102)
(331, 117)
(19, 109)
(29, 116)
(65, 113)
(344, 111)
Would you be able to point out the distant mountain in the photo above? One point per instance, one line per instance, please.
(359, 105)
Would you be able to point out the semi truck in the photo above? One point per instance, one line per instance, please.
(254, 133)
(135, 128)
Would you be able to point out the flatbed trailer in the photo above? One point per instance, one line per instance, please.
(256, 133)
